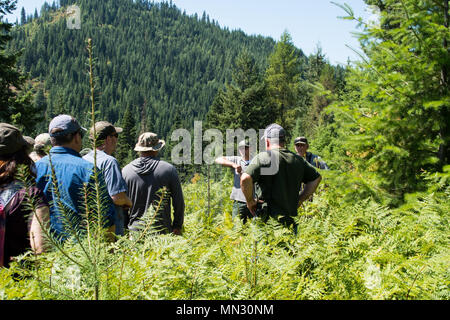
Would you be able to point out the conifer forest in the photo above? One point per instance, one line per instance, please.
(377, 227)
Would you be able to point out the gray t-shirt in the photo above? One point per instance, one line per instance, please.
(144, 177)
(236, 192)
(111, 171)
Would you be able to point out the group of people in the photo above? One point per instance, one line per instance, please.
(59, 179)
(277, 194)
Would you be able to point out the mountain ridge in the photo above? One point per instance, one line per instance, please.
(151, 58)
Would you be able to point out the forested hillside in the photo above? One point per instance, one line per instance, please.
(151, 58)
(158, 69)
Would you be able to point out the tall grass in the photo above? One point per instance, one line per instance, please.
(341, 251)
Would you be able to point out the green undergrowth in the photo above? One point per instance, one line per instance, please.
(342, 251)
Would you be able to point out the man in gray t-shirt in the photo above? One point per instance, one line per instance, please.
(238, 164)
(106, 141)
(145, 177)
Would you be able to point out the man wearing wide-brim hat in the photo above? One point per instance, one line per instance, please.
(145, 177)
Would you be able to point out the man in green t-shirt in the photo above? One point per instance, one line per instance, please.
(279, 173)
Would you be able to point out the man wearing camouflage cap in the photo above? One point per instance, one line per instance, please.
(279, 173)
(145, 177)
(106, 141)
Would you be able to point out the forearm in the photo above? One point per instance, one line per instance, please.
(247, 186)
(247, 190)
(122, 200)
(308, 190)
(178, 204)
(39, 221)
(225, 162)
(178, 216)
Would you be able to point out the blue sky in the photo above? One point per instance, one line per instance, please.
(310, 22)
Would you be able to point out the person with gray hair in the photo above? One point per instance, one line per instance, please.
(279, 174)
(145, 177)
(42, 146)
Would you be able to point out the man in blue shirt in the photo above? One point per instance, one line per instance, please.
(106, 141)
(72, 174)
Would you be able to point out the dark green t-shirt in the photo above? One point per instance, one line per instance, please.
(280, 184)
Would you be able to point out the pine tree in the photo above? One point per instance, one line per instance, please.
(23, 16)
(283, 79)
(398, 122)
(15, 99)
(243, 103)
(40, 105)
(127, 139)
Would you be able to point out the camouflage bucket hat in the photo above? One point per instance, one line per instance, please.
(149, 141)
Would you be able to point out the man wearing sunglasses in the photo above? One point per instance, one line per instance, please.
(72, 174)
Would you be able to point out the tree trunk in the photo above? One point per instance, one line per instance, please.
(444, 150)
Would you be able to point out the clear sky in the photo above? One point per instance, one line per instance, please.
(309, 22)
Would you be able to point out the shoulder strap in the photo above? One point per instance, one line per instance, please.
(2, 231)
(9, 191)
(6, 195)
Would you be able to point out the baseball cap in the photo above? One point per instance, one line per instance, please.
(11, 139)
(103, 129)
(302, 140)
(274, 131)
(149, 141)
(64, 124)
